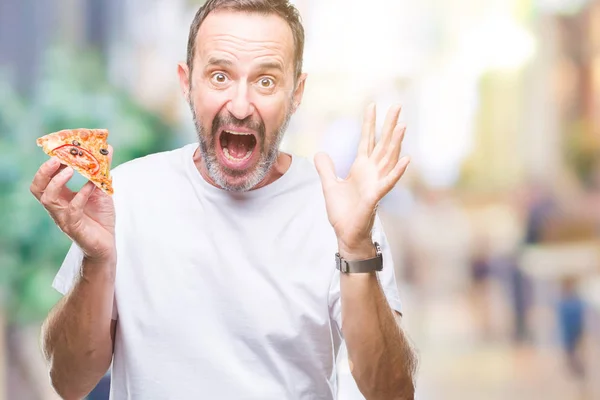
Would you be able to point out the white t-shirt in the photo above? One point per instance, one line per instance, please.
(222, 295)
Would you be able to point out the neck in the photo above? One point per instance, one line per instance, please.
(278, 169)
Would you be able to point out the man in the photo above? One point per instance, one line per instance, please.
(211, 273)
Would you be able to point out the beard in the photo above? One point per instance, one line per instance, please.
(239, 180)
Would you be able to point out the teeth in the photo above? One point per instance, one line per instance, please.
(239, 133)
(232, 158)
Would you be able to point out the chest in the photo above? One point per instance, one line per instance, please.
(206, 271)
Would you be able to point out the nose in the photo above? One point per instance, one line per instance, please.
(240, 105)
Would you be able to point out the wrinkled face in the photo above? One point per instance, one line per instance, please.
(242, 93)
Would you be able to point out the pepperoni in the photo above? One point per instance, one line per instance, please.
(84, 160)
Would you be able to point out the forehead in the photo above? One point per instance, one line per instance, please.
(245, 36)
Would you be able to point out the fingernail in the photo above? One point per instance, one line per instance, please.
(53, 162)
(66, 171)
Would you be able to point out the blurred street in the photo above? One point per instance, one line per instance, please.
(457, 363)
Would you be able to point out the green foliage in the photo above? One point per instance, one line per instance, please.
(73, 93)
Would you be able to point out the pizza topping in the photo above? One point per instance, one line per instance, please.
(85, 159)
(76, 143)
(104, 152)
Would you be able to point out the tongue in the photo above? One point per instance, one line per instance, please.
(238, 145)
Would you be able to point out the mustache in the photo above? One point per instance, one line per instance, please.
(229, 120)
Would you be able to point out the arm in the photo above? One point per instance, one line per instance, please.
(78, 335)
(381, 359)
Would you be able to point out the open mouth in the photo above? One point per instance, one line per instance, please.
(237, 147)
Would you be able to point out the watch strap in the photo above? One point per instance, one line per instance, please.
(360, 266)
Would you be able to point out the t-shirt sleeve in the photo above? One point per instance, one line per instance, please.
(69, 271)
(387, 279)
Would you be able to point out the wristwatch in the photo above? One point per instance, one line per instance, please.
(362, 266)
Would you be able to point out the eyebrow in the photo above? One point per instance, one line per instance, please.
(219, 62)
(268, 65)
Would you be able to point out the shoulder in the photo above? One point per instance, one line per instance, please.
(305, 172)
(304, 188)
(148, 169)
(154, 163)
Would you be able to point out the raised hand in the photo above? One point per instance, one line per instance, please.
(87, 217)
(352, 202)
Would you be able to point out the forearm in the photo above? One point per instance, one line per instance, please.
(382, 360)
(76, 337)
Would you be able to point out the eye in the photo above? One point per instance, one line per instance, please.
(219, 78)
(266, 83)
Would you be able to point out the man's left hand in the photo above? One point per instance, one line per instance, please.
(352, 202)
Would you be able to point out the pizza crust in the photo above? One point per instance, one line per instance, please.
(85, 150)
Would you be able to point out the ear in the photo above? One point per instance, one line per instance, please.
(299, 91)
(184, 80)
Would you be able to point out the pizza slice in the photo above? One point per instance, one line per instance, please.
(85, 150)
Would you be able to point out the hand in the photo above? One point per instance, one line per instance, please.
(87, 217)
(352, 202)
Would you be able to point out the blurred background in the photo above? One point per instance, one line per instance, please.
(494, 227)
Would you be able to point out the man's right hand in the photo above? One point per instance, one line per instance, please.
(87, 217)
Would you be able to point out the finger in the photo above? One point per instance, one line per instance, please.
(65, 193)
(80, 200)
(325, 168)
(391, 120)
(53, 194)
(110, 154)
(393, 151)
(43, 176)
(372, 127)
(364, 147)
(394, 176)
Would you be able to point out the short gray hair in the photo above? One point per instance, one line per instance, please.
(282, 8)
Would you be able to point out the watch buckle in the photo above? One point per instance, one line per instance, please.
(345, 267)
(342, 265)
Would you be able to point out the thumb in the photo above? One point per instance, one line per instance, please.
(325, 168)
(110, 154)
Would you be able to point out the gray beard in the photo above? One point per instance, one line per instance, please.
(253, 177)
